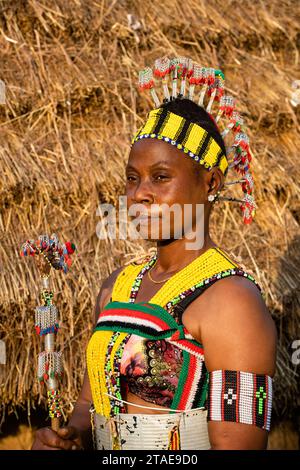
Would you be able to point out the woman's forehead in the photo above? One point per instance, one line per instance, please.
(153, 152)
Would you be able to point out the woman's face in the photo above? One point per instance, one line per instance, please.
(158, 176)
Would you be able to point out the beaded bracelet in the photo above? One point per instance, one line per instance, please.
(241, 397)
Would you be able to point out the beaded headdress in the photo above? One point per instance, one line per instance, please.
(180, 77)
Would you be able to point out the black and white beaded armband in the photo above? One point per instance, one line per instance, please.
(241, 397)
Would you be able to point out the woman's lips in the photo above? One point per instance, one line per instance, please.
(147, 219)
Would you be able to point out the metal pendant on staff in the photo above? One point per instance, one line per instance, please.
(49, 253)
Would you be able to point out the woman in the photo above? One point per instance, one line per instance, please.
(183, 353)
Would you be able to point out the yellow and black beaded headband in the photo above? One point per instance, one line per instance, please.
(191, 138)
(187, 136)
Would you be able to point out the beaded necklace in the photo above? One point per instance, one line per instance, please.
(200, 285)
(138, 280)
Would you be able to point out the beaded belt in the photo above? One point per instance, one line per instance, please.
(185, 430)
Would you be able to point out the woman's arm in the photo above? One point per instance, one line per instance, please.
(77, 433)
(238, 334)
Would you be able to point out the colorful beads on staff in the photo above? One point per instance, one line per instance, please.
(54, 403)
(46, 296)
(46, 319)
(57, 255)
(28, 248)
(49, 365)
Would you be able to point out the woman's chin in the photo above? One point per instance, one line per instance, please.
(154, 235)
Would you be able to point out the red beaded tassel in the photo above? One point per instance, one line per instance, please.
(174, 438)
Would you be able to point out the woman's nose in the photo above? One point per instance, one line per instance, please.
(143, 193)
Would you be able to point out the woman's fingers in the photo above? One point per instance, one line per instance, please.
(68, 432)
(71, 433)
(48, 439)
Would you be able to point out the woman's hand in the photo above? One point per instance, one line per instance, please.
(66, 438)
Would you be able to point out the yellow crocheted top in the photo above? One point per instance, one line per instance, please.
(211, 262)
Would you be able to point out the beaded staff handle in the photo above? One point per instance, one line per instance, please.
(49, 253)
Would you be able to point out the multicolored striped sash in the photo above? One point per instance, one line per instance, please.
(149, 321)
(153, 322)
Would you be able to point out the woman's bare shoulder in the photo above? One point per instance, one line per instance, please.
(105, 292)
(236, 291)
(234, 319)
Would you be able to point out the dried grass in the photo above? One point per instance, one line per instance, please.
(72, 106)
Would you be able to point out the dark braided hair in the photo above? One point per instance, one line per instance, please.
(196, 114)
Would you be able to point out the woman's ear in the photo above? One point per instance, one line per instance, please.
(216, 180)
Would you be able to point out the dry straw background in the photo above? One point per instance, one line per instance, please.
(70, 68)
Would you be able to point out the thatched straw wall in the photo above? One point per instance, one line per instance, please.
(72, 105)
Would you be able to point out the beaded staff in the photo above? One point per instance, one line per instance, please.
(49, 253)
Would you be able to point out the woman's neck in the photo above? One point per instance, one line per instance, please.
(174, 255)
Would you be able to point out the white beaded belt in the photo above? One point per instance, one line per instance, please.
(151, 431)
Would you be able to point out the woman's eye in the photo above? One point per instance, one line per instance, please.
(131, 178)
(161, 177)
